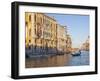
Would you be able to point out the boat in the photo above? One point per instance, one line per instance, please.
(76, 53)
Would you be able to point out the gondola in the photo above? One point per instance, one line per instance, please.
(76, 53)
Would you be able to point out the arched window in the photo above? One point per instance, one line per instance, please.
(26, 29)
(29, 18)
(26, 23)
(39, 30)
(35, 17)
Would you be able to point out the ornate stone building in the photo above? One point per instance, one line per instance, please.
(61, 39)
(85, 45)
(44, 35)
(41, 33)
(68, 44)
(29, 33)
(50, 34)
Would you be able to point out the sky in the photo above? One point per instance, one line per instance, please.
(77, 26)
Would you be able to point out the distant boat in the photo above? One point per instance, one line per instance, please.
(76, 53)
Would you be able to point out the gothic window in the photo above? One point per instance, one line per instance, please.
(35, 18)
(26, 28)
(35, 31)
(26, 24)
(29, 18)
(29, 41)
(39, 30)
(40, 20)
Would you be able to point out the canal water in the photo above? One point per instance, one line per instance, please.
(58, 60)
(82, 59)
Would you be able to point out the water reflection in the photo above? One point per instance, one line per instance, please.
(58, 60)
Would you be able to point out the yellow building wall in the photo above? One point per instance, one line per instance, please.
(29, 28)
